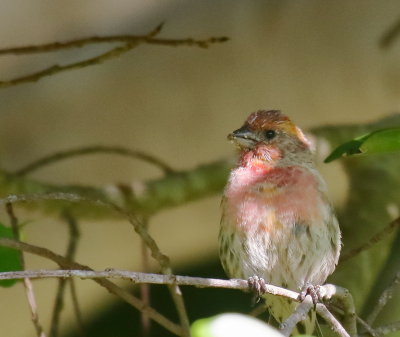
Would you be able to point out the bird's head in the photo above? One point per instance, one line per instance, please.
(270, 135)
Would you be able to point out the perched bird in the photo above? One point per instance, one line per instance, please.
(277, 223)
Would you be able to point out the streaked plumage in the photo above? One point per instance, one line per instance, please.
(277, 222)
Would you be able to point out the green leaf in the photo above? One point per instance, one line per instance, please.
(380, 141)
(9, 257)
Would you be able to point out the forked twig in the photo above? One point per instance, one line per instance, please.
(129, 42)
(137, 277)
(298, 315)
(71, 249)
(30, 295)
(111, 287)
(341, 296)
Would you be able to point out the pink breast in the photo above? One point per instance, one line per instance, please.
(287, 194)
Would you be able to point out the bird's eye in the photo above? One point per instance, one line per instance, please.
(269, 134)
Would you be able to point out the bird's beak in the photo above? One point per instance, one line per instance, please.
(243, 137)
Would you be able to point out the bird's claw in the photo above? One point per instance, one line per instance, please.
(313, 291)
(257, 284)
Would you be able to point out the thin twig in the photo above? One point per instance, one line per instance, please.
(111, 287)
(70, 254)
(137, 277)
(55, 69)
(30, 295)
(383, 299)
(331, 320)
(77, 309)
(333, 294)
(130, 42)
(119, 150)
(372, 241)
(165, 265)
(371, 331)
(162, 259)
(298, 315)
(79, 43)
(145, 287)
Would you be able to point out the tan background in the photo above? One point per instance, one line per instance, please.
(318, 61)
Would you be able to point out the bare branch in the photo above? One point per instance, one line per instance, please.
(71, 249)
(375, 239)
(145, 287)
(30, 295)
(331, 320)
(367, 327)
(144, 198)
(162, 259)
(383, 299)
(119, 150)
(77, 309)
(137, 277)
(333, 294)
(298, 315)
(79, 43)
(129, 42)
(165, 265)
(55, 69)
(111, 287)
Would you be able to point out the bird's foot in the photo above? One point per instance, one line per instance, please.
(313, 290)
(257, 285)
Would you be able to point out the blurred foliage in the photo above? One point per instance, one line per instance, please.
(9, 258)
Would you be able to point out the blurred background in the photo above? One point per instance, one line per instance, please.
(320, 62)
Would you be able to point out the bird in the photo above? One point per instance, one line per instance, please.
(277, 224)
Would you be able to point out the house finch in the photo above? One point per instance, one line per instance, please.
(277, 223)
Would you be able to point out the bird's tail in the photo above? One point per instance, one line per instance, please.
(281, 308)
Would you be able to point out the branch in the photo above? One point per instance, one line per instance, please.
(70, 254)
(165, 265)
(30, 295)
(144, 198)
(111, 287)
(79, 43)
(129, 42)
(337, 295)
(161, 258)
(55, 69)
(148, 197)
(383, 299)
(298, 315)
(137, 277)
(331, 320)
(119, 150)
